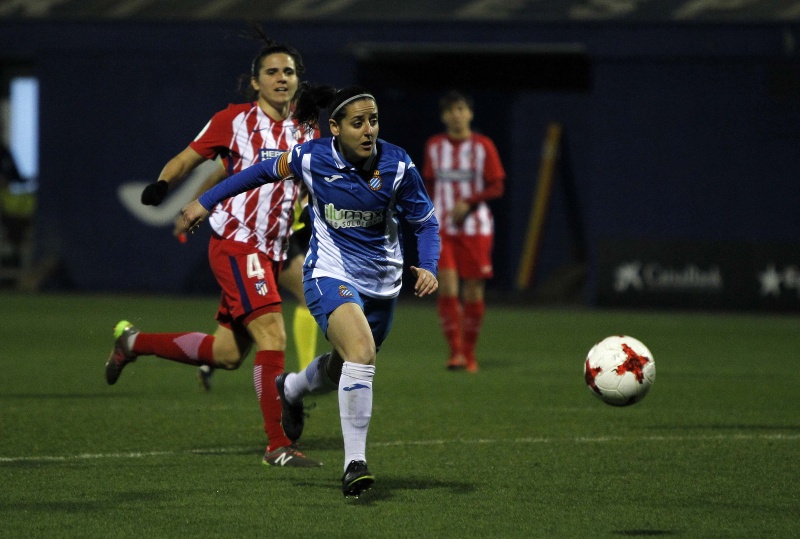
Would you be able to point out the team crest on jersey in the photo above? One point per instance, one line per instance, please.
(376, 182)
(345, 292)
(261, 287)
(267, 153)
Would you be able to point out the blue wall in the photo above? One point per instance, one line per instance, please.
(686, 132)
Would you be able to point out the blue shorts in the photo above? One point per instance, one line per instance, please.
(325, 294)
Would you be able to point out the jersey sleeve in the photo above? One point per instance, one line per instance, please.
(493, 168)
(416, 209)
(493, 174)
(267, 171)
(427, 167)
(215, 138)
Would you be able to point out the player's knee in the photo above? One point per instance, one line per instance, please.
(268, 332)
(274, 339)
(229, 357)
(228, 363)
(362, 351)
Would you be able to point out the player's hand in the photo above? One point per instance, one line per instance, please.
(154, 193)
(180, 229)
(193, 214)
(426, 282)
(459, 212)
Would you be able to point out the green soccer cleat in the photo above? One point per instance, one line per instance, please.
(121, 354)
(356, 479)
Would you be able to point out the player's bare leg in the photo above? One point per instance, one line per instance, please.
(350, 334)
(304, 327)
(230, 349)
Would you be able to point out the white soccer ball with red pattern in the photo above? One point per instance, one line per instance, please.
(619, 370)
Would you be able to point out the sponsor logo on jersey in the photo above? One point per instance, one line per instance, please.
(266, 153)
(376, 182)
(261, 287)
(345, 292)
(351, 218)
(333, 178)
(455, 175)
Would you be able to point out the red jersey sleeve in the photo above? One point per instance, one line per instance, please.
(493, 173)
(215, 138)
(428, 176)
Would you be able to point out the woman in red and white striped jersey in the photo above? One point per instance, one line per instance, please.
(248, 245)
(462, 171)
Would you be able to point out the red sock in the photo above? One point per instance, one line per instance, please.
(190, 348)
(473, 318)
(450, 318)
(268, 365)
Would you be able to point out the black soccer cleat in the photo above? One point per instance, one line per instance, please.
(356, 479)
(293, 416)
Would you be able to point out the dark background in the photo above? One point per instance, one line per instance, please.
(673, 131)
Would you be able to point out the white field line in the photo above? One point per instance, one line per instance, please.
(535, 440)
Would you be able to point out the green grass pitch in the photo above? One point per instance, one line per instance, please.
(521, 449)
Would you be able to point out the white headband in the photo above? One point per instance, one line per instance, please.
(349, 99)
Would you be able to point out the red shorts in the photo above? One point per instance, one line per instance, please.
(248, 279)
(470, 256)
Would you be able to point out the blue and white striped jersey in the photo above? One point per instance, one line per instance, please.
(355, 212)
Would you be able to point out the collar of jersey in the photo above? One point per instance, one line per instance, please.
(343, 164)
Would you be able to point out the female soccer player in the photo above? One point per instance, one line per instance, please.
(361, 187)
(247, 247)
(462, 171)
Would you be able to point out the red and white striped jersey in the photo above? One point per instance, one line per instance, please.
(243, 135)
(468, 170)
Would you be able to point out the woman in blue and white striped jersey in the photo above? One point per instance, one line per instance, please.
(360, 188)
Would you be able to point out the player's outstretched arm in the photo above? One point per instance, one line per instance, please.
(268, 171)
(181, 227)
(173, 173)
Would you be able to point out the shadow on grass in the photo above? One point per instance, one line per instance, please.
(84, 506)
(389, 484)
(387, 487)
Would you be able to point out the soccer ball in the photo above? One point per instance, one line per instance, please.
(619, 370)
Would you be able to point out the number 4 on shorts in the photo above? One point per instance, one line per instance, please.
(254, 268)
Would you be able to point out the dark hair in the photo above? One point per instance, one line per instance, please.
(270, 47)
(452, 97)
(311, 99)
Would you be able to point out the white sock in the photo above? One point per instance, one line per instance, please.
(309, 381)
(355, 409)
